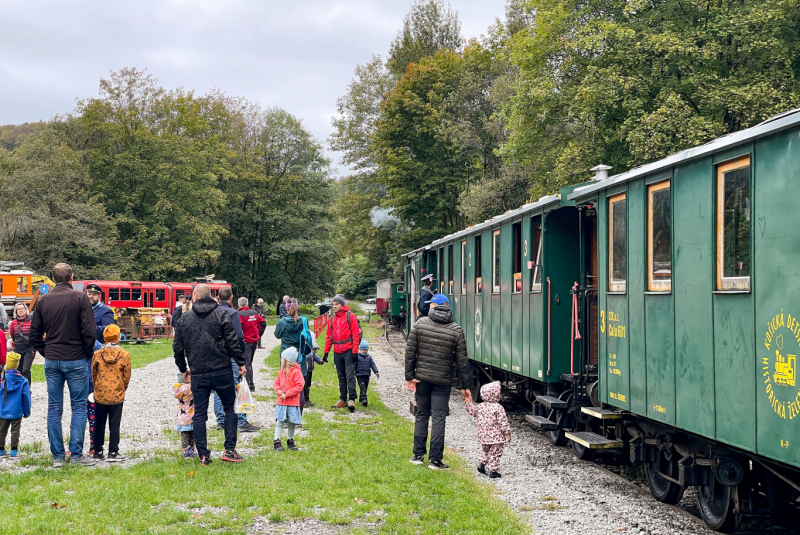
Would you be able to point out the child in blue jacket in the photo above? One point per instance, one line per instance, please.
(364, 368)
(15, 402)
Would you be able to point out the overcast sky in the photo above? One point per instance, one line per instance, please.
(299, 55)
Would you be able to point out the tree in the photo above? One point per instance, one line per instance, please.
(428, 28)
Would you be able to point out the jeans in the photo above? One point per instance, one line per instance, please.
(113, 414)
(346, 370)
(249, 353)
(218, 412)
(75, 374)
(363, 385)
(222, 384)
(431, 400)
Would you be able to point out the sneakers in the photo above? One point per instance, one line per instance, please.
(83, 460)
(247, 427)
(205, 461)
(98, 456)
(14, 454)
(340, 405)
(232, 457)
(417, 459)
(220, 427)
(3, 452)
(482, 468)
(58, 462)
(351, 405)
(290, 445)
(116, 457)
(277, 445)
(189, 452)
(365, 403)
(437, 465)
(494, 474)
(252, 388)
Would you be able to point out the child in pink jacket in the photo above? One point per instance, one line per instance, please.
(493, 428)
(288, 385)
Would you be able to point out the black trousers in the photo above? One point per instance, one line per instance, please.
(26, 362)
(15, 426)
(346, 370)
(363, 385)
(307, 386)
(431, 404)
(112, 414)
(249, 353)
(222, 383)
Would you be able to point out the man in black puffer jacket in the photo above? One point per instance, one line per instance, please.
(434, 342)
(207, 339)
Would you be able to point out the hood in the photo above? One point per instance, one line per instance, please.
(491, 392)
(14, 381)
(345, 309)
(204, 306)
(110, 354)
(441, 314)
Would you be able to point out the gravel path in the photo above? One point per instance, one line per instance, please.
(148, 417)
(554, 491)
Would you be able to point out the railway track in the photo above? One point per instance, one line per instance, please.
(753, 525)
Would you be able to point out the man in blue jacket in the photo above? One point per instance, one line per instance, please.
(103, 315)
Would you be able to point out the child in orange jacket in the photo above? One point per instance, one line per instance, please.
(288, 386)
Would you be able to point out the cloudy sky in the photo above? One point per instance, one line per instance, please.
(299, 55)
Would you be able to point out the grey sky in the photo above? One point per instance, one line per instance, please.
(299, 55)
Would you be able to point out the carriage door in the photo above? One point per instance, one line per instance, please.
(589, 308)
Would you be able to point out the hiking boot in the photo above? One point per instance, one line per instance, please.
(482, 468)
(98, 456)
(220, 427)
(277, 445)
(247, 427)
(205, 461)
(290, 445)
(494, 474)
(340, 405)
(58, 462)
(351, 405)
(417, 459)
(116, 457)
(365, 403)
(232, 457)
(437, 465)
(83, 460)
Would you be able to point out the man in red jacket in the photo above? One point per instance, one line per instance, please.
(344, 336)
(253, 326)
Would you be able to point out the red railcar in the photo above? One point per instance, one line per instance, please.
(141, 294)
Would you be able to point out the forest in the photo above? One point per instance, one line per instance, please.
(442, 132)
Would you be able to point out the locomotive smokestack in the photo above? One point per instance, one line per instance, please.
(601, 172)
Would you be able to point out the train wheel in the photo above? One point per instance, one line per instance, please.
(717, 505)
(557, 437)
(662, 489)
(582, 452)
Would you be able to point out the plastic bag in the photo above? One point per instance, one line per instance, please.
(244, 400)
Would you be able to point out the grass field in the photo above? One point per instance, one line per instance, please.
(351, 472)
(141, 355)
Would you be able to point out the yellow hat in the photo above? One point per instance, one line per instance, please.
(12, 360)
(111, 333)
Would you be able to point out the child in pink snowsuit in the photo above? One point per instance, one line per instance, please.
(493, 428)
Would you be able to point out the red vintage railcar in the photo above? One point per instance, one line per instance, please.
(142, 294)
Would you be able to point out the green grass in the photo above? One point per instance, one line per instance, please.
(346, 471)
(141, 355)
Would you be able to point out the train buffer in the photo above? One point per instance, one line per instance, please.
(602, 414)
(551, 402)
(540, 422)
(593, 441)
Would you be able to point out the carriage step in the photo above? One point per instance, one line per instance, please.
(603, 414)
(540, 422)
(551, 402)
(593, 441)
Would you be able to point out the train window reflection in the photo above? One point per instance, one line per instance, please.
(617, 240)
(22, 285)
(733, 225)
(496, 262)
(659, 239)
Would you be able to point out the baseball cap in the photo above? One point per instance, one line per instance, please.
(439, 299)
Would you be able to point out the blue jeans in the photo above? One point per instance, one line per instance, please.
(75, 373)
(218, 412)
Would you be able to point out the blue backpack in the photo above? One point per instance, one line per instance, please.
(306, 340)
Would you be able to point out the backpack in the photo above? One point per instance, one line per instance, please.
(306, 344)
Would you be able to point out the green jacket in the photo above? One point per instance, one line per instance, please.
(289, 331)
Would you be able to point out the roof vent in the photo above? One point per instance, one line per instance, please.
(601, 172)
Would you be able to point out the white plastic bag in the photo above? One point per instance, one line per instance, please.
(244, 400)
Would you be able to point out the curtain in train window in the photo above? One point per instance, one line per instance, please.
(536, 253)
(659, 238)
(516, 234)
(733, 225)
(450, 269)
(463, 267)
(496, 261)
(478, 265)
(617, 243)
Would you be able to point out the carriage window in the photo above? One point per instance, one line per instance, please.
(441, 270)
(125, 294)
(179, 294)
(733, 225)
(113, 294)
(463, 267)
(22, 285)
(496, 261)
(450, 269)
(536, 250)
(617, 240)
(161, 295)
(516, 233)
(478, 265)
(1, 286)
(659, 240)
(136, 294)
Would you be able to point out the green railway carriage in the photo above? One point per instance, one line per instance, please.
(654, 313)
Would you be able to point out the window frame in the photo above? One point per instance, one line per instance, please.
(495, 262)
(516, 257)
(616, 286)
(478, 264)
(731, 284)
(463, 267)
(663, 286)
(537, 245)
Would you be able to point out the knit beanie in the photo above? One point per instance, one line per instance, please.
(290, 354)
(111, 333)
(12, 360)
(363, 346)
(339, 299)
